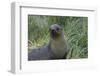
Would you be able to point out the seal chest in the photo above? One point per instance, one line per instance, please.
(57, 41)
(59, 48)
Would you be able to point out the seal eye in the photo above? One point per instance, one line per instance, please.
(57, 29)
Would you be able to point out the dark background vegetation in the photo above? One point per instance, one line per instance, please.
(75, 32)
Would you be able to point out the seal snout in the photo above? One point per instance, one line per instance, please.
(53, 32)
